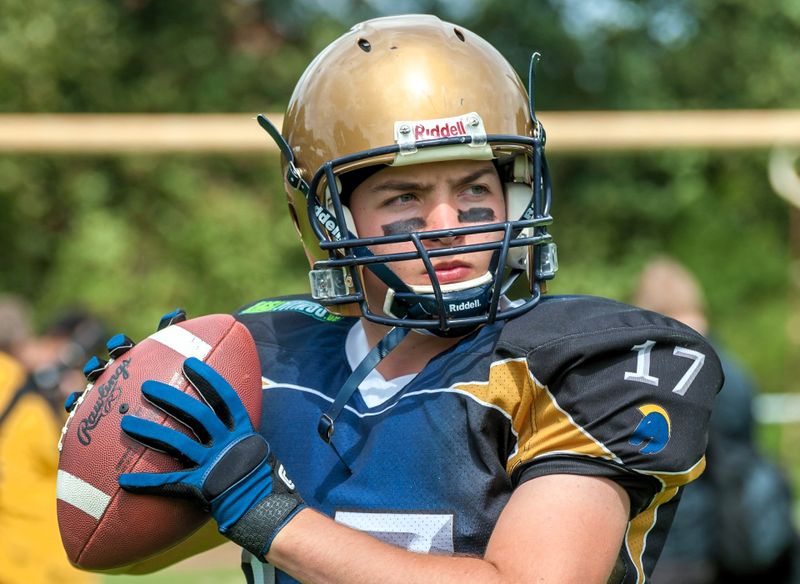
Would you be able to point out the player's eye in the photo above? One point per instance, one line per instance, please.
(475, 190)
(398, 200)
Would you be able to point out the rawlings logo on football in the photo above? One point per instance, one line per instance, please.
(107, 394)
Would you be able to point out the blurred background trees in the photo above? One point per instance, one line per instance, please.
(134, 236)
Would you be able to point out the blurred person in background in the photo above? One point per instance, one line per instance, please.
(36, 373)
(734, 523)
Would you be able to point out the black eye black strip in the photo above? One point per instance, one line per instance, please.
(476, 215)
(404, 226)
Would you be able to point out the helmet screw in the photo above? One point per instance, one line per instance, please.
(472, 121)
(405, 129)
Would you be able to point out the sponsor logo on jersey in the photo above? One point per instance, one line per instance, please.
(107, 394)
(653, 431)
(306, 307)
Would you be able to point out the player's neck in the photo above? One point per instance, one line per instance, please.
(411, 355)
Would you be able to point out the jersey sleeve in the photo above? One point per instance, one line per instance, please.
(622, 393)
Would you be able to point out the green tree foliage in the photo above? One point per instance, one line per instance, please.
(136, 235)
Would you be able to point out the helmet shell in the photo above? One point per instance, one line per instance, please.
(385, 70)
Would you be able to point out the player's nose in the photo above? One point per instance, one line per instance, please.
(444, 216)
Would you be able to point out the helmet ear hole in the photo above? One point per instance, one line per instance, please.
(518, 197)
(348, 217)
(328, 196)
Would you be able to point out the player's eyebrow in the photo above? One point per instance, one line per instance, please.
(472, 177)
(397, 185)
(410, 185)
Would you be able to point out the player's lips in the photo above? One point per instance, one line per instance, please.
(447, 272)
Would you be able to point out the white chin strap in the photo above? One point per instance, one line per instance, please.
(454, 287)
(445, 288)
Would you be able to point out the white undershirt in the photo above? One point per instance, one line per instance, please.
(375, 389)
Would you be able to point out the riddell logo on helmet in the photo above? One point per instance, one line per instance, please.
(466, 305)
(410, 132)
(328, 222)
(428, 130)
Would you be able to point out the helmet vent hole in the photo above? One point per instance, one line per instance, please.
(460, 35)
(364, 45)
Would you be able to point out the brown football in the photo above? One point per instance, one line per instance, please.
(101, 525)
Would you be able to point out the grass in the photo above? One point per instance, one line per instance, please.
(217, 566)
(232, 575)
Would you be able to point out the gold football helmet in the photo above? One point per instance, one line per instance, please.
(409, 90)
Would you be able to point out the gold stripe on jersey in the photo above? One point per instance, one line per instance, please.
(509, 388)
(640, 526)
(541, 426)
(556, 431)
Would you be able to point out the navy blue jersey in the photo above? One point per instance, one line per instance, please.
(578, 385)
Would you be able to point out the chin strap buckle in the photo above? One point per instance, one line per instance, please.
(325, 428)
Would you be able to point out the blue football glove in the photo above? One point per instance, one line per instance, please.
(117, 346)
(230, 470)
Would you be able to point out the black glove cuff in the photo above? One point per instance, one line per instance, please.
(259, 526)
(256, 529)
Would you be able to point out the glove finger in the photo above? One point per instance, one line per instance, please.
(94, 368)
(118, 345)
(189, 411)
(164, 483)
(163, 439)
(72, 400)
(218, 393)
(174, 317)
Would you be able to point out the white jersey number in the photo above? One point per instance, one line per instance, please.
(642, 373)
(416, 532)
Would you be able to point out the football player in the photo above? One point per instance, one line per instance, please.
(424, 420)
